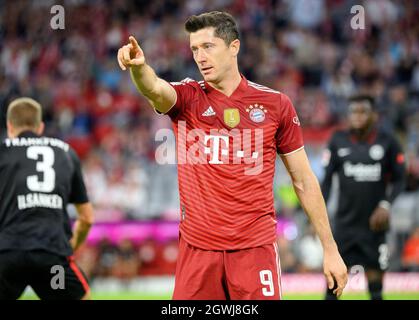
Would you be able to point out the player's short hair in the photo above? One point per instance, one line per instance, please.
(223, 22)
(363, 98)
(24, 113)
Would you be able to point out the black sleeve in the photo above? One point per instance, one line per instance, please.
(396, 171)
(78, 192)
(330, 163)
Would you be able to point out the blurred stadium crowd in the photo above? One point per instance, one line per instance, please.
(304, 48)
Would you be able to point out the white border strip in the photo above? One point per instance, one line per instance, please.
(164, 113)
(287, 154)
(278, 270)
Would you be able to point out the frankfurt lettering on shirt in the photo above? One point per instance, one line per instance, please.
(42, 141)
(363, 172)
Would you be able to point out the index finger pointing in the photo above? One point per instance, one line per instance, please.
(134, 42)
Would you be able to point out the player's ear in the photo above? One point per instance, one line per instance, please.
(41, 128)
(10, 130)
(235, 47)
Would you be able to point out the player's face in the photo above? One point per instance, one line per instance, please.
(214, 58)
(360, 115)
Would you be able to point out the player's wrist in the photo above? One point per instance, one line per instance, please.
(138, 68)
(73, 243)
(385, 205)
(329, 246)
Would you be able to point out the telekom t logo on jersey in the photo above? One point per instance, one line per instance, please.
(221, 143)
(216, 148)
(219, 147)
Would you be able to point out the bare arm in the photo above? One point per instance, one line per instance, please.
(308, 191)
(82, 225)
(158, 92)
(380, 218)
(326, 185)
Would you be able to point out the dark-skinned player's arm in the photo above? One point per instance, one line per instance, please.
(82, 225)
(308, 191)
(330, 164)
(159, 93)
(380, 218)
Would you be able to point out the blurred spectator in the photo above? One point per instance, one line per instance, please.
(339, 86)
(310, 252)
(108, 255)
(127, 262)
(170, 253)
(410, 257)
(150, 257)
(412, 183)
(158, 258)
(87, 257)
(288, 258)
(307, 13)
(396, 113)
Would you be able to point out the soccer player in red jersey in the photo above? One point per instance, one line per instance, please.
(228, 132)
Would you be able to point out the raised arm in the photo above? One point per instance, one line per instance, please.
(158, 92)
(308, 191)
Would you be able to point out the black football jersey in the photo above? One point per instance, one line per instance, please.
(368, 171)
(39, 176)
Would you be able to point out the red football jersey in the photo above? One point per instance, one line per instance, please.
(226, 151)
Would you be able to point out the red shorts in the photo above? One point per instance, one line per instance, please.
(248, 274)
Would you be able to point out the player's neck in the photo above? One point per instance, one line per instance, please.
(363, 133)
(14, 133)
(228, 84)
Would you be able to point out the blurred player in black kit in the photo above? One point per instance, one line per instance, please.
(369, 164)
(39, 177)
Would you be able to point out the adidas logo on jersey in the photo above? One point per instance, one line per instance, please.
(209, 112)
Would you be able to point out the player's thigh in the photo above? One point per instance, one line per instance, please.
(254, 273)
(57, 277)
(377, 255)
(13, 278)
(199, 274)
(353, 256)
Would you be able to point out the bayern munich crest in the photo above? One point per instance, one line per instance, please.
(256, 112)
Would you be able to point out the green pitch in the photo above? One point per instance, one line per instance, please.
(293, 296)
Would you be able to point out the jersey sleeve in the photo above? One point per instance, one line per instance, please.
(78, 192)
(289, 136)
(185, 94)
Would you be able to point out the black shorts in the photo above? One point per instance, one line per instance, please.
(372, 255)
(51, 276)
